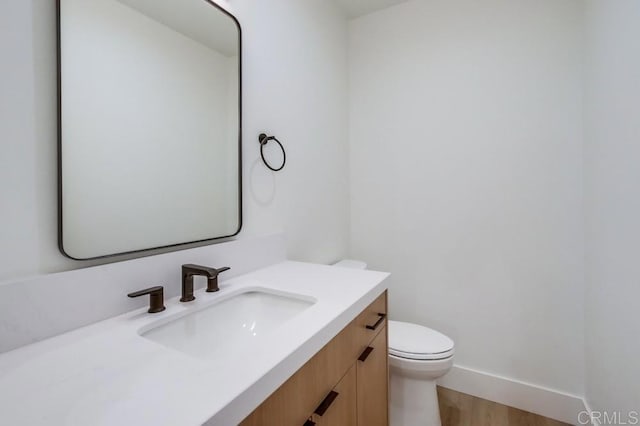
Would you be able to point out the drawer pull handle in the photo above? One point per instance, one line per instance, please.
(309, 423)
(365, 354)
(380, 321)
(326, 403)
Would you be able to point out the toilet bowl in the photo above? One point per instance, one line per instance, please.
(418, 356)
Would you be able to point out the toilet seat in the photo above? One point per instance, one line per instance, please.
(416, 342)
(421, 357)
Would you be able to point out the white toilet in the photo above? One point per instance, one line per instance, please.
(418, 356)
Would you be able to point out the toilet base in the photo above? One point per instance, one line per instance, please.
(413, 402)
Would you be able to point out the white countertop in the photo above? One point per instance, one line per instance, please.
(107, 374)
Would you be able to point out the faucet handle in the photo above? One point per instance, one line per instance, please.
(156, 298)
(212, 282)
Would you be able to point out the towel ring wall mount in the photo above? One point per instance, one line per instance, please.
(263, 139)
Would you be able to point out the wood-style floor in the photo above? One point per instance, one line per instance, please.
(459, 409)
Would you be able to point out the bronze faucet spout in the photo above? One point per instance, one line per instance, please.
(188, 272)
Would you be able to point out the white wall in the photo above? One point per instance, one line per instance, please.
(295, 87)
(295, 79)
(612, 172)
(465, 136)
(28, 147)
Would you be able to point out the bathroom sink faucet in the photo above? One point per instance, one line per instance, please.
(189, 270)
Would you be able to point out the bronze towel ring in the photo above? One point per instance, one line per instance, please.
(263, 139)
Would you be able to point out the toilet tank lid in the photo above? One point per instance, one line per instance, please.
(408, 338)
(353, 264)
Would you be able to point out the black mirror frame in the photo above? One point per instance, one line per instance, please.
(59, 146)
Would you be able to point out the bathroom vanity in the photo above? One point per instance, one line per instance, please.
(345, 383)
(269, 348)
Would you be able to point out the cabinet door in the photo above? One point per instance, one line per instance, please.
(373, 383)
(342, 411)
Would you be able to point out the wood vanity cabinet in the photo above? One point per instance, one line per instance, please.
(344, 384)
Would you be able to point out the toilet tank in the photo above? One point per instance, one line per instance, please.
(353, 264)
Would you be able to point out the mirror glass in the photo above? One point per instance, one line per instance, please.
(149, 135)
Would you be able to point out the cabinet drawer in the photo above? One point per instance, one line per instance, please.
(298, 397)
(368, 324)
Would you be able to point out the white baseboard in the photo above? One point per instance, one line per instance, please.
(514, 393)
(587, 408)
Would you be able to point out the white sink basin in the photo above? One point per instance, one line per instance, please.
(230, 325)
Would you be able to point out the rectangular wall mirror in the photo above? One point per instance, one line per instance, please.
(149, 125)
